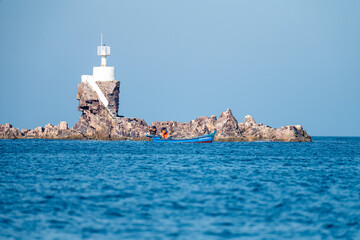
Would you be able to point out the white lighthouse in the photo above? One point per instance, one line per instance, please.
(101, 74)
(103, 51)
(104, 72)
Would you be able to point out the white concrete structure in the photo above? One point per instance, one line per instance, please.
(103, 51)
(90, 80)
(102, 73)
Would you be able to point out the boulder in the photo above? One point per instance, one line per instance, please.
(227, 126)
(7, 131)
(39, 132)
(63, 126)
(23, 132)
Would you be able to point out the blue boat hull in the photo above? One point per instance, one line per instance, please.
(201, 139)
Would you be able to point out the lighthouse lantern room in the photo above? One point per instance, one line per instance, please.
(104, 72)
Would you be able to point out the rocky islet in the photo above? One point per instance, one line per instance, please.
(102, 123)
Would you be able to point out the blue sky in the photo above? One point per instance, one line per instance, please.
(283, 62)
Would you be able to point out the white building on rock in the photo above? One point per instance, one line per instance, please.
(104, 72)
(101, 74)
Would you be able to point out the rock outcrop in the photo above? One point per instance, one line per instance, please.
(103, 123)
(7, 131)
(97, 121)
(229, 130)
(48, 132)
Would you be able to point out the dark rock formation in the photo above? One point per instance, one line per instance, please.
(102, 123)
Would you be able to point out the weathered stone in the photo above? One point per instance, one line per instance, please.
(97, 123)
(228, 129)
(227, 126)
(24, 131)
(8, 132)
(249, 119)
(30, 134)
(39, 132)
(63, 126)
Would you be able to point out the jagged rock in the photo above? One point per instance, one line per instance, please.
(30, 134)
(129, 128)
(23, 132)
(199, 126)
(8, 132)
(228, 129)
(97, 123)
(49, 132)
(249, 119)
(227, 126)
(39, 132)
(111, 90)
(252, 131)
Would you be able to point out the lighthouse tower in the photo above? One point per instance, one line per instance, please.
(101, 74)
(104, 72)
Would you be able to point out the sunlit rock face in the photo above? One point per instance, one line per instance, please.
(228, 129)
(9, 132)
(48, 132)
(96, 122)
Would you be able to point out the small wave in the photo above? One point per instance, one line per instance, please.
(113, 213)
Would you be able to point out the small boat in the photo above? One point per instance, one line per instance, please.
(201, 139)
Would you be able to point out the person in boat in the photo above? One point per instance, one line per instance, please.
(164, 133)
(153, 130)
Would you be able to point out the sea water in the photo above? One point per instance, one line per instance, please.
(56, 189)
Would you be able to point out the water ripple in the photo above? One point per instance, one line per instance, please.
(141, 190)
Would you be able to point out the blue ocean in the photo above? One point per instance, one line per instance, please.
(57, 189)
